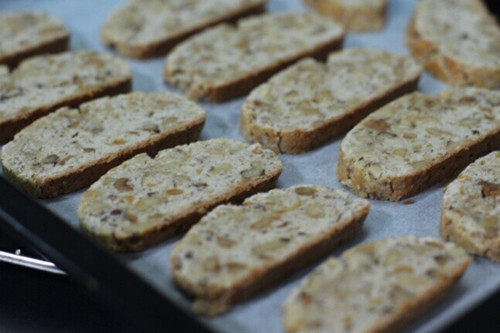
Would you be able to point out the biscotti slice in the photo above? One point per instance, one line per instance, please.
(471, 208)
(235, 251)
(457, 40)
(71, 148)
(43, 84)
(28, 33)
(147, 28)
(144, 201)
(355, 15)
(375, 287)
(419, 140)
(227, 61)
(309, 103)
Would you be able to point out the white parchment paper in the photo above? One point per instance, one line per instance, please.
(84, 19)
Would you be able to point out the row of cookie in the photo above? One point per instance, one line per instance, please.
(395, 152)
(237, 250)
(464, 54)
(227, 61)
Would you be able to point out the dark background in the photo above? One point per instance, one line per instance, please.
(32, 301)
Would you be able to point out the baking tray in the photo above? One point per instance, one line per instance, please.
(420, 216)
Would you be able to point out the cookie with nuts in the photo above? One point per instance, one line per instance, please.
(419, 140)
(471, 208)
(310, 102)
(466, 53)
(375, 287)
(236, 251)
(71, 148)
(146, 200)
(228, 61)
(28, 33)
(147, 28)
(42, 84)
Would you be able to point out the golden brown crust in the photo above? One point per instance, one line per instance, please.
(10, 127)
(446, 68)
(300, 141)
(88, 174)
(163, 47)
(354, 19)
(448, 166)
(54, 46)
(217, 301)
(244, 85)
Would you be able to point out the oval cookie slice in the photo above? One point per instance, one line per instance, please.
(471, 208)
(228, 61)
(310, 102)
(71, 148)
(375, 287)
(235, 251)
(28, 33)
(457, 40)
(147, 28)
(419, 140)
(144, 201)
(358, 15)
(42, 84)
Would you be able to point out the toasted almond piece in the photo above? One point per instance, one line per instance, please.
(71, 148)
(355, 15)
(457, 40)
(147, 28)
(471, 208)
(228, 61)
(28, 33)
(309, 103)
(43, 84)
(270, 236)
(375, 287)
(465, 125)
(172, 191)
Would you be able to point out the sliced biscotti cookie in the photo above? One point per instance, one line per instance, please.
(355, 15)
(71, 148)
(375, 287)
(471, 208)
(235, 251)
(144, 201)
(419, 140)
(227, 61)
(42, 84)
(457, 40)
(28, 33)
(309, 103)
(148, 28)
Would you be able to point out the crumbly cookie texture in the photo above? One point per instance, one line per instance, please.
(147, 28)
(42, 84)
(28, 33)
(458, 41)
(310, 102)
(144, 201)
(235, 251)
(375, 287)
(71, 148)
(419, 140)
(355, 15)
(228, 61)
(471, 208)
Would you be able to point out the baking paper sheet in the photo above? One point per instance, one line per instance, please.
(263, 313)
